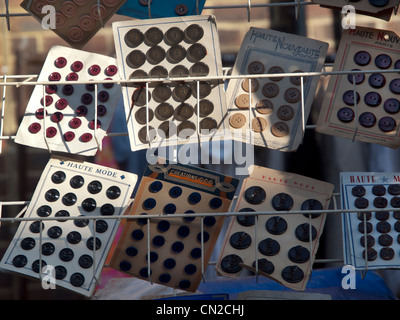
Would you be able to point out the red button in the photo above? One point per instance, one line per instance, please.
(55, 76)
(77, 66)
(108, 85)
(86, 137)
(111, 70)
(101, 110)
(61, 104)
(34, 127)
(94, 70)
(69, 136)
(72, 76)
(103, 96)
(39, 113)
(60, 62)
(81, 111)
(57, 117)
(75, 123)
(51, 89)
(51, 132)
(49, 100)
(91, 124)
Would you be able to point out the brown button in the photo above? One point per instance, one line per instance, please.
(181, 92)
(292, 95)
(176, 54)
(155, 55)
(181, 9)
(196, 52)
(158, 72)
(153, 36)
(259, 124)
(69, 9)
(94, 12)
(270, 90)
(86, 22)
(75, 34)
(237, 120)
(184, 112)
(193, 33)
(280, 129)
(139, 97)
(186, 129)
(141, 115)
(206, 108)
(179, 71)
(296, 80)
(173, 36)
(285, 113)
(164, 111)
(208, 124)
(142, 134)
(60, 20)
(133, 38)
(256, 67)
(243, 101)
(204, 88)
(168, 128)
(264, 106)
(161, 93)
(275, 69)
(254, 85)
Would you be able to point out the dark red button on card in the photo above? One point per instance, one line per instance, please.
(94, 70)
(49, 101)
(51, 89)
(51, 132)
(81, 111)
(367, 119)
(392, 105)
(34, 127)
(387, 124)
(72, 76)
(55, 76)
(86, 137)
(61, 104)
(69, 136)
(57, 117)
(362, 58)
(60, 62)
(75, 123)
(77, 66)
(111, 70)
(91, 124)
(39, 113)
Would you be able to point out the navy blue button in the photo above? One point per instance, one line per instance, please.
(362, 58)
(137, 234)
(170, 208)
(142, 221)
(377, 80)
(175, 192)
(345, 114)
(163, 226)
(367, 119)
(209, 221)
(358, 77)
(392, 105)
(184, 284)
(206, 236)
(144, 272)
(177, 246)
(348, 97)
(149, 204)
(131, 251)
(194, 198)
(169, 263)
(183, 231)
(397, 64)
(153, 256)
(383, 61)
(387, 124)
(125, 266)
(215, 203)
(394, 86)
(189, 219)
(158, 241)
(195, 253)
(164, 278)
(155, 187)
(190, 269)
(379, 3)
(372, 99)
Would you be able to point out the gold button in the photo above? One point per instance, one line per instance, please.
(237, 120)
(242, 101)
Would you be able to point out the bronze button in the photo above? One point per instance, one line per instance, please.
(254, 85)
(285, 113)
(270, 90)
(256, 67)
(237, 120)
(280, 129)
(264, 106)
(259, 124)
(275, 69)
(243, 101)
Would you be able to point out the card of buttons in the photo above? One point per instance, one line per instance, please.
(175, 244)
(68, 125)
(161, 9)
(169, 48)
(371, 191)
(75, 248)
(275, 116)
(279, 242)
(374, 118)
(77, 21)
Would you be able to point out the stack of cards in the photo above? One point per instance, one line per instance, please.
(73, 247)
(70, 117)
(371, 234)
(364, 106)
(274, 109)
(283, 244)
(167, 250)
(167, 111)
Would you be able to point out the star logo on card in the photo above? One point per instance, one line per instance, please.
(385, 180)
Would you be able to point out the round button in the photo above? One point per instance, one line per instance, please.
(186, 129)
(345, 114)
(386, 253)
(391, 105)
(161, 93)
(164, 111)
(372, 99)
(299, 254)
(133, 38)
(296, 80)
(380, 202)
(361, 203)
(311, 204)
(69, 136)
(394, 86)
(243, 101)
(259, 124)
(68, 90)
(196, 52)
(97, 11)
(240, 240)
(356, 78)
(282, 202)
(86, 137)
(255, 195)
(275, 69)
(394, 189)
(269, 247)
(264, 266)
(302, 232)
(246, 220)
(270, 90)
(276, 225)
(181, 9)
(285, 113)
(385, 240)
(237, 120)
(141, 115)
(60, 62)
(358, 191)
(153, 36)
(139, 97)
(362, 58)
(280, 129)
(253, 82)
(86, 22)
(69, 9)
(51, 132)
(92, 124)
(94, 69)
(231, 263)
(383, 61)
(57, 117)
(55, 76)
(111, 70)
(181, 92)
(367, 119)
(86, 98)
(264, 106)
(193, 33)
(199, 69)
(173, 36)
(72, 76)
(184, 111)
(61, 20)
(348, 97)
(103, 96)
(206, 108)
(155, 55)
(256, 67)
(75, 34)
(387, 124)
(34, 127)
(292, 274)
(51, 89)
(379, 3)
(377, 80)
(142, 134)
(204, 89)
(207, 125)
(179, 71)
(158, 72)
(39, 114)
(81, 111)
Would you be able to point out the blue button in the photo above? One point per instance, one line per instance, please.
(194, 198)
(155, 187)
(149, 204)
(175, 192)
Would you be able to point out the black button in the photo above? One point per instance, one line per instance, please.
(379, 3)
(358, 191)
(36, 265)
(184, 284)
(181, 9)
(276, 225)
(164, 278)
(362, 229)
(181, 92)
(377, 80)
(81, 223)
(199, 69)
(173, 36)
(85, 261)
(169, 263)
(382, 215)
(361, 203)
(176, 54)
(77, 182)
(170, 208)
(132, 251)
(255, 195)
(383, 227)
(91, 241)
(194, 198)
(66, 254)
(269, 247)
(370, 241)
(372, 99)
(292, 274)
(155, 55)
(94, 187)
(378, 190)
(163, 226)
(35, 226)
(196, 52)
(380, 202)
(231, 263)
(113, 192)
(345, 114)
(61, 272)
(153, 36)
(386, 253)
(44, 211)
(358, 77)
(184, 111)
(28, 243)
(135, 59)
(48, 248)
(183, 231)
(137, 234)
(246, 220)
(107, 209)
(153, 256)
(190, 269)
(206, 236)
(54, 232)
(348, 97)
(144, 272)
(177, 246)
(179, 71)
(302, 232)
(394, 189)
(299, 254)
(58, 177)
(394, 86)
(74, 237)
(312, 204)
(20, 261)
(69, 199)
(364, 216)
(209, 221)
(133, 38)
(385, 240)
(89, 204)
(282, 202)
(52, 195)
(240, 240)
(193, 33)
(101, 226)
(383, 61)
(77, 279)
(264, 266)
